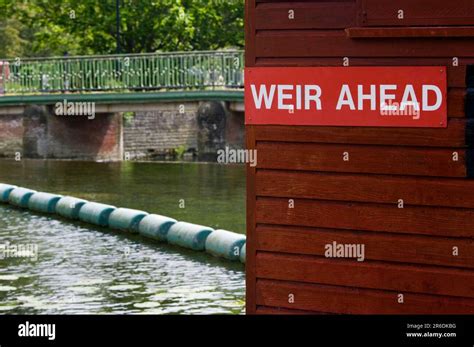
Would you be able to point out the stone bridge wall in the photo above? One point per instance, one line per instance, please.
(172, 130)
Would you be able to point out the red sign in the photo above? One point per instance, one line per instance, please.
(347, 96)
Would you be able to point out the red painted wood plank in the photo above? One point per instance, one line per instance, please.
(361, 159)
(456, 73)
(305, 15)
(419, 12)
(454, 135)
(421, 191)
(366, 274)
(399, 32)
(264, 310)
(335, 43)
(457, 102)
(355, 301)
(250, 33)
(378, 246)
(436, 221)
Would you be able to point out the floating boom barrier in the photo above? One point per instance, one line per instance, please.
(219, 243)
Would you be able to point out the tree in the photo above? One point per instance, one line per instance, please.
(54, 27)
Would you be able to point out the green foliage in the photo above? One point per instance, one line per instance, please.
(128, 116)
(179, 152)
(80, 27)
(11, 42)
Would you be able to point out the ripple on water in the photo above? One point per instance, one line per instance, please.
(124, 287)
(9, 277)
(84, 290)
(7, 288)
(5, 307)
(91, 282)
(149, 304)
(82, 270)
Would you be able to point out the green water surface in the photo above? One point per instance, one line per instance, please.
(85, 269)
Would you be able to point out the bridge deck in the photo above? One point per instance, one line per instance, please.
(131, 97)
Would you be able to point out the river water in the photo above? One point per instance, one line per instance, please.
(82, 269)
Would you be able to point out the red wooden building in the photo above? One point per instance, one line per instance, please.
(407, 194)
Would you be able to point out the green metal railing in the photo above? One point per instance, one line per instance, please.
(126, 72)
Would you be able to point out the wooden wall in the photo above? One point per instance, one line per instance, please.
(408, 250)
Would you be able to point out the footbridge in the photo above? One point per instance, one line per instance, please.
(122, 106)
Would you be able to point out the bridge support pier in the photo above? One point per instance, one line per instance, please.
(77, 137)
(211, 118)
(38, 133)
(11, 138)
(35, 132)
